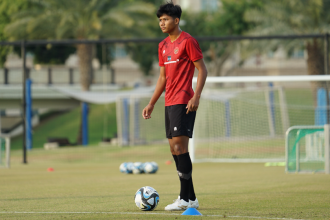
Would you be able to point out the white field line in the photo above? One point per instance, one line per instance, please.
(143, 213)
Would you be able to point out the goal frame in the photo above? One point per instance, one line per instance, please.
(247, 79)
(326, 131)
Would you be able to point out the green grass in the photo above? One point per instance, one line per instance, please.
(87, 179)
(67, 125)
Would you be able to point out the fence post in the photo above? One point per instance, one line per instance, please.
(50, 76)
(326, 72)
(84, 124)
(112, 75)
(28, 116)
(5, 76)
(71, 76)
(23, 54)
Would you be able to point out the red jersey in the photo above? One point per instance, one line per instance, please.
(178, 58)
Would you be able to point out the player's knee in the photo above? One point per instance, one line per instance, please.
(178, 149)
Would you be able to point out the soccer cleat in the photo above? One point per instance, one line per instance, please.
(178, 205)
(193, 204)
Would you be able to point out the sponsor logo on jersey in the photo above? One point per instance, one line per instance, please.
(176, 50)
(168, 58)
(163, 51)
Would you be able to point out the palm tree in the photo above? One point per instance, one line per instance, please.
(295, 17)
(81, 19)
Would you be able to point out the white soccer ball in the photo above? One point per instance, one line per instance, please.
(146, 198)
(155, 166)
(137, 168)
(150, 167)
(122, 168)
(129, 167)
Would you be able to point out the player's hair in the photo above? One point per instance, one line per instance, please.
(170, 9)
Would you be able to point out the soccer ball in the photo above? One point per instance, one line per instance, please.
(150, 167)
(137, 168)
(129, 167)
(146, 198)
(122, 167)
(155, 166)
(126, 167)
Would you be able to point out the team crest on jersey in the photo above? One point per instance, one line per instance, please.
(168, 58)
(163, 51)
(176, 50)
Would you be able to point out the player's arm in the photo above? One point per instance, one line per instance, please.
(201, 78)
(160, 86)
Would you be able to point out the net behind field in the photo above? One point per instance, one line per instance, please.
(249, 123)
(235, 121)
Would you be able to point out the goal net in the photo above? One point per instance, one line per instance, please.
(239, 119)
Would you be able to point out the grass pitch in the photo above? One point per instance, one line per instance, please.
(86, 184)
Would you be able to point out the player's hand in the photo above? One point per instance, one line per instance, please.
(146, 113)
(193, 104)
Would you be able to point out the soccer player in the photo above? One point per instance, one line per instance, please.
(179, 54)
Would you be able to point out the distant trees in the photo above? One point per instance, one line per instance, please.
(7, 8)
(229, 20)
(83, 19)
(295, 17)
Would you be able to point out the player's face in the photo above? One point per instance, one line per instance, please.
(167, 23)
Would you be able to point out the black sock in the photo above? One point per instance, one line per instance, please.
(184, 170)
(175, 157)
(192, 195)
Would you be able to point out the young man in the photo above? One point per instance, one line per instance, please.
(179, 54)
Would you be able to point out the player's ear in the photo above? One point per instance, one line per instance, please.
(177, 20)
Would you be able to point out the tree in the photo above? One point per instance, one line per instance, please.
(145, 54)
(8, 7)
(83, 19)
(295, 17)
(229, 20)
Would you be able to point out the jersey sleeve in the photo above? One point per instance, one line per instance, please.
(160, 57)
(193, 50)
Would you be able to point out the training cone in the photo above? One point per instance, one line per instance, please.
(168, 162)
(191, 211)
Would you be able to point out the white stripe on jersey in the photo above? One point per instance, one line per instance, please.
(172, 62)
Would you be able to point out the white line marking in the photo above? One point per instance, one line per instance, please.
(142, 213)
(259, 217)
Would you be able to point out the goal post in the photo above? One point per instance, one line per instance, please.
(4, 151)
(257, 125)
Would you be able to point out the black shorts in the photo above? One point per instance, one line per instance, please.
(177, 122)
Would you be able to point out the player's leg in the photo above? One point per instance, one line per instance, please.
(179, 145)
(181, 127)
(192, 196)
(180, 148)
